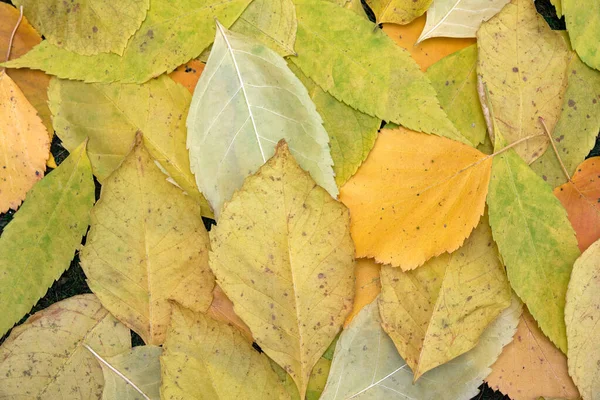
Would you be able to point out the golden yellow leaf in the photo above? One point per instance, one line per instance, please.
(415, 197)
(282, 252)
(398, 11)
(147, 245)
(221, 309)
(531, 366)
(367, 285)
(24, 145)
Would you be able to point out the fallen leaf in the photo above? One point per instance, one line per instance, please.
(188, 74)
(353, 5)
(24, 144)
(531, 366)
(582, 24)
(87, 27)
(111, 114)
(45, 357)
(454, 78)
(535, 239)
(580, 197)
(221, 309)
(398, 11)
(439, 311)
(577, 127)
(367, 285)
(458, 18)
(173, 32)
(522, 62)
(366, 364)
(207, 359)
(408, 201)
(147, 245)
(352, 134)
(245, 102)
(342, 62)
(289, 272)
(37, 246)
(558, 6)
(582, 313)
(318, 379)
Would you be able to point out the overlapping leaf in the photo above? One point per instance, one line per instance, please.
(583, 24)
(367, 285)
(398, 11)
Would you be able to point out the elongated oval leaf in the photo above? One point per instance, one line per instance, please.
(147, 245)
(245, 102)
(37, 246)
(46, 358)
(282, 253)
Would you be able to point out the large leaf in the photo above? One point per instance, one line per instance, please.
(24, 145)
(282, 253)
(577, 127)
(439, 311)
(245, 102)
(110, 115)
(523, 62)
(407, 200)
(352, 134)
(208, 359)
(147, 245)
(46, 357)
(398, 11)
(581, 315)
(535, 239)
(173, 32)
(458, 18)
(583, 23)
(366, 366)
(37, 246)
(531, 366)
(86, 26)
(365, 69)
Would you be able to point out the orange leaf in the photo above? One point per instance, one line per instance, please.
(581, 199)
(188, 74)
(221, 309)
(415, 197)
(367, 285)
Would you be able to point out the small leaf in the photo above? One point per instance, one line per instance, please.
(188, 74)
(221, 309)
(45, 357)
(582, 23)
(398, 11)
(367, 285)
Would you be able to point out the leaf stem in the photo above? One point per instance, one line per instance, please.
(12, 35)
(564, 169)
(515, 143)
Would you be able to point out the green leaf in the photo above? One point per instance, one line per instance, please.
(247, 99)
(583, 24)
(86, 27)
(353, 5)
(366, 366)
(207, 359)
(455, 80)
(352, 134)
(535, 239)
(38, 245)
(398, 11)
(577, 127)
(110, 115)
(365, 69)
(272, 22)
(173, 32)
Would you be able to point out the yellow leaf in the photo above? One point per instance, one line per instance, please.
(367, 285)
(147, 244)
(438, 312)
(282, 253)
(398, 11)
(24, 145)
(531, 366)
(415, 197)
(209, 360)
(221, 309)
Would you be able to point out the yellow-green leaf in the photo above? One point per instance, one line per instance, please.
(398, 11)
(558, 6)
(523, 64)
(87, 26)
(38, 245)
(110, 115)
(581, 315)
(353, 5)
(147, 245)
(47, 358)
(282, 253)
(583, 24)
(207, 359)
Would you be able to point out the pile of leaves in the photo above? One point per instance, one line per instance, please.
(419, 184)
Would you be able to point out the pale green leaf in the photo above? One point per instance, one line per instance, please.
(47, 358)
(398, 11)
(110, 115)
(38, 245)
(365, 69)
(173, 32)
(366, 366)
(583, 24)
(87, 26)
(272, 22)
(247, 99)
(352, 134)
(455, 80)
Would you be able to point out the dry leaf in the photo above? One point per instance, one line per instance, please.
(188, 74)
(398, 11)
(367, 285)
(221, 309)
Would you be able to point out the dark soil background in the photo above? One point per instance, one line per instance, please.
(72, 282)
